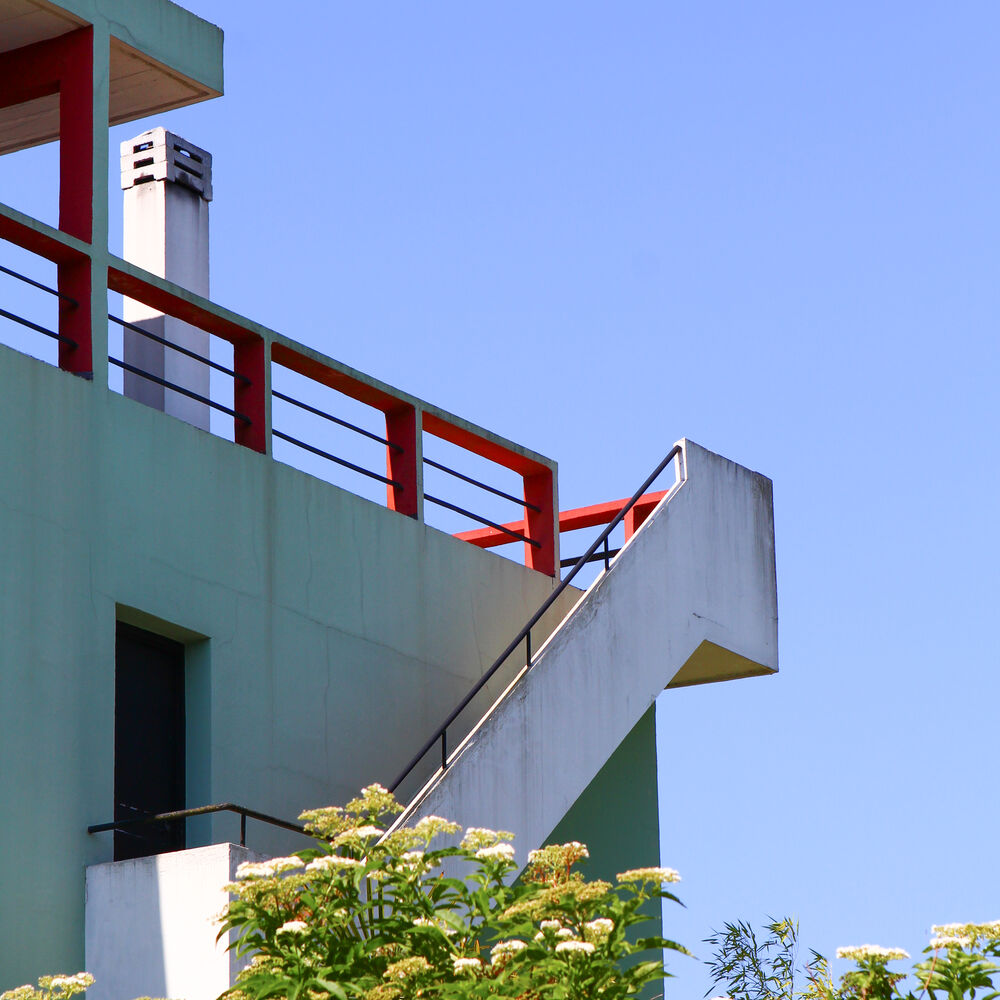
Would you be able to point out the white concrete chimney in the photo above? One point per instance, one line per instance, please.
(167, 184)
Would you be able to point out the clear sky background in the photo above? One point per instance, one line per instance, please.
(770, 227)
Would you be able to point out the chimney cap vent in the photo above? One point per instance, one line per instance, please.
(159, 155)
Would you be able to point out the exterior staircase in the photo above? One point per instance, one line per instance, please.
(690, 599)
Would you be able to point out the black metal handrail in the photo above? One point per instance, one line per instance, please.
(179, 348)
(38, 284)
(334, 458)
(484, 520)
(61, 337)
(605, 556)
(149, 376)
(525, 634)
(337, 420)
(244, 812)
(482, 486)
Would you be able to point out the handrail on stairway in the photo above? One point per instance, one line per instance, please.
(525, 634)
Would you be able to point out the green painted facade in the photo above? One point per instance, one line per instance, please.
(326, 635)
(618, 817)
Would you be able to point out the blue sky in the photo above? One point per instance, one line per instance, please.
(768, 227)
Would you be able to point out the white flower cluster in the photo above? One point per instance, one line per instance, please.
(575, 947)
(427, 922)
(550, 925)
(497, 852)
(429, 827)
(871, 952)
(406, 968)
(466, 966)
(292, 927)
(964, 935)
(267, 869)
(413, 861)
(598, 929)
(649, 875)
(358, 833)
(574, 849)
(481, 836)
(58, 986)
(329, 861)
(503, 951)
(80, 981)
(951, 941)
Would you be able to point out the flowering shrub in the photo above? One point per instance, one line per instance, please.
(380, 916)
(960, 964)
(51, 988)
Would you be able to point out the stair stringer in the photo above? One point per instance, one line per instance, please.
(691, 598)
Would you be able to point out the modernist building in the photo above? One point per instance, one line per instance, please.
(187, 621)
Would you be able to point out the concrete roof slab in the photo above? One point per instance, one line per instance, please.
(161, 57)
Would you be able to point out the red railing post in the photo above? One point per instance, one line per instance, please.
(76, 194)
(541, 525)
(403, 466)
(250, 397)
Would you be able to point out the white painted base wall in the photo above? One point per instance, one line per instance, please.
(150, 925)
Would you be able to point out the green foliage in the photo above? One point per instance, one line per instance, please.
(752, 969)
(369, 915)
(960, 966)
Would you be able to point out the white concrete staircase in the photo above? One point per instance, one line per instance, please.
(691, 599)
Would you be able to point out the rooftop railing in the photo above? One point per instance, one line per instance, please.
(266, 384)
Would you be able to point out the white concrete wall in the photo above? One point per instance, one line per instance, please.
(691, 598)
(151, 926)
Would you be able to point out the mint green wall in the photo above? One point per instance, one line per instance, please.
(617, 816)
(326, 636)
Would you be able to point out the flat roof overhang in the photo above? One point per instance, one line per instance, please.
(161, 57)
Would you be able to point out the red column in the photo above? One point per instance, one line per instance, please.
(250, 397)
(65, 66)
(541, 526)
(401, 465)
(76, 134)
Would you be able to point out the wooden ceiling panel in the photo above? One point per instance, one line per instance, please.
(23, 22)
(140, 86)
(29, 124)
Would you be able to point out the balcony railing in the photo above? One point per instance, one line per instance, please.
(283, 399)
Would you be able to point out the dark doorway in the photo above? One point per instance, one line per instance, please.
(149, 740)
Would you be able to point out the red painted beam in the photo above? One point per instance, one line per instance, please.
(180, 308)
(572, 520)
(39, 242)
(471, 441)
(283, 355)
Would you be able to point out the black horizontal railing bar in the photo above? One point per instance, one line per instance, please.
(596, 557)
(38, 284)
(525, 632)
(38, 329)
(179, 388)
(482, 486)
(483, 520)
(340, 461)
(336, 420)
(177, 347)
(242, 811)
